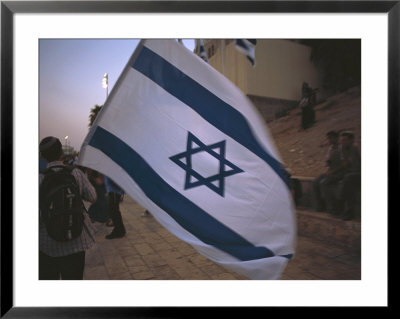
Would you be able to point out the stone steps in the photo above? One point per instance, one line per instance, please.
(306, 200)
(322, 226)
(330, 230)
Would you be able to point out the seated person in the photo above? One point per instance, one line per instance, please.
(325, 186)
(351, 182)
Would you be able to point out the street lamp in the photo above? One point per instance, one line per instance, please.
(104, 83)
(66, 145)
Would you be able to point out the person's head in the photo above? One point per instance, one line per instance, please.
(346, 139)
(50, 149)
(333, 137)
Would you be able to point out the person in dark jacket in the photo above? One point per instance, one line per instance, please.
(114, 195)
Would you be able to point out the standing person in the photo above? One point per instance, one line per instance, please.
(63, 258)
(98, 211)
(307, 102)
(305, 90)
(113, 191)
(114, 194)
(324, 184)
(351, 183)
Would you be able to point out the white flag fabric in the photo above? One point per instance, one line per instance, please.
(248, 47)
(187, 145)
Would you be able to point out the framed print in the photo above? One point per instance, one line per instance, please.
(27, 25)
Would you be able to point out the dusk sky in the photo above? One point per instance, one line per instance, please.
(70, 82)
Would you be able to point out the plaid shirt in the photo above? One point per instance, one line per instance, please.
(86, 240)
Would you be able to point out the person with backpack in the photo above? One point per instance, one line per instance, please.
(65, 230)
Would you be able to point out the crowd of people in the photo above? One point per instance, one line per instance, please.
(62, 252)
(64, 240)
(337, 190)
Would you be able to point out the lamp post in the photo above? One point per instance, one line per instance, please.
(105, 83)
(66, 145)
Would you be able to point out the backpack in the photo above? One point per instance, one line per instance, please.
(60, 203)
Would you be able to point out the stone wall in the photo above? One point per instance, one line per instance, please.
(271, 108)
(307, 198)
(322, 226)
(334, 231)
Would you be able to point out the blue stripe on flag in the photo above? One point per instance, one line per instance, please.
(183, 211)
(220, 114)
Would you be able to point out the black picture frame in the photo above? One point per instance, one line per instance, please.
(9, 8)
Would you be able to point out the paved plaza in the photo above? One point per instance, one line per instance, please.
(150, 252)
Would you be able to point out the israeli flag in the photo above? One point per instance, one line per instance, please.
(248, 47)
(187, 145)
(203, 53)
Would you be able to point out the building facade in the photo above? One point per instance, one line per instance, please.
(274, 83)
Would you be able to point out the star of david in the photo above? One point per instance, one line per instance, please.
(215, 182)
